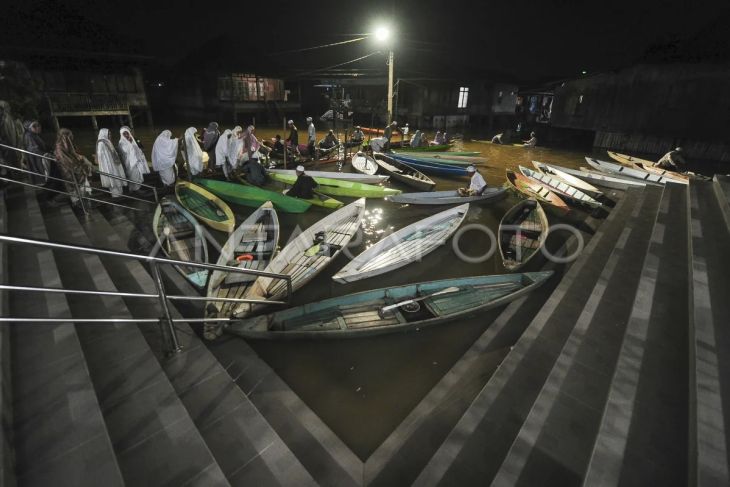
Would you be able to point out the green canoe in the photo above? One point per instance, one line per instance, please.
(336, 187)
(321, 200)
(438, 160)
(442, 153)
(429, 148)
(253, 196)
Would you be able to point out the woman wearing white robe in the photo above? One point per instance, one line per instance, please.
(193, 152)
(221, 151)
(109, 162)
(164, 154)
(134, 159)
(235, 149)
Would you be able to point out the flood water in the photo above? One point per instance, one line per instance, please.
(363, 388)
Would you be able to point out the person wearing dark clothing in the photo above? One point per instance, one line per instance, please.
(388, 134)
(278, 146)
(304, 186)
(34, 143)
(254, 172)
(293, 137)
(210, 139)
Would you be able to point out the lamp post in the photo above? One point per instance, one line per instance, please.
(382, 35)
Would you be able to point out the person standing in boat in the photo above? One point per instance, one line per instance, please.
(133, 158)
(438, 139)
(34, 143)
(221, 151)
(388, 134)
(311, 139)
(164, 155)
(476, 186)
(417, 139)
(497, 139)
(405, 130)
(293, 139)
(110, 163)
(329, 141)
(304, 186)
(531, 142)
(673, 160)
(210, 140)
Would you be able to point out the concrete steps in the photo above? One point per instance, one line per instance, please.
(247, 449)
(154, 438)
(60, 433)
(478, 445)
(710, 372)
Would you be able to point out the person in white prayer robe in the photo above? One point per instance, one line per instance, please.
(164, 155)
(109, 163)
(135, 162)
(194, 153)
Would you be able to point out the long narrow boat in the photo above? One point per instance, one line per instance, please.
(364, 164)
(181, 237)
(648, 166)
(247, 195)
(534, 189)
(404, 173)
(305, 256)
(344, 176)
(435, 168)
(447, 197)
(317, 199)
(563, 189)
(610, 168)
(394, 309)
(574, 181)
(445, 156)
(411, 150)
(335, 187)
(602, 179)
(251, 246)
(522, 233)
(407, 245)
(437, 160)
(205, 206)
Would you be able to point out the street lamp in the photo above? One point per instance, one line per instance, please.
(382, 36)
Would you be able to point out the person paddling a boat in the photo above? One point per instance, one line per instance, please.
(304, 185)
(358, 136)
(672, 160)
(476, 186)
(532, 142)
(438, 139)
(497, 139)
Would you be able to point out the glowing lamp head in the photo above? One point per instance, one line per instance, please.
(382, 34)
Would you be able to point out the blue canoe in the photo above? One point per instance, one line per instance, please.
(428, 167)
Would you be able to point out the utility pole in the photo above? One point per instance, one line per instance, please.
(390, 87)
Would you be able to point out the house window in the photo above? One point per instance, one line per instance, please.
(463, 97)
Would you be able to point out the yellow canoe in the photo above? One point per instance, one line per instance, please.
(206, 206)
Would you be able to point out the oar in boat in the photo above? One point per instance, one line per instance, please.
(386, 309)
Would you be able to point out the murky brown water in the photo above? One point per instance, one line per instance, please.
(363, 388)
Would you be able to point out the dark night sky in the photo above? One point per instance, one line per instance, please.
(528, 40)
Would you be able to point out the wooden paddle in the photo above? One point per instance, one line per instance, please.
(448, 290)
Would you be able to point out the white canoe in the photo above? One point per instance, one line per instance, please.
(522, 233)
(611, 168)
(364, 164)
(446, 197)
(303, 259)
(567, 178)
(562, 188)
(648, 166)
(342, 176)
(251, 246)
(407, 245)
(602, 179)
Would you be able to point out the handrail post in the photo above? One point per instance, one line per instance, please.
(167, 327)
(157, 198)
(78, 192)
(289, 290)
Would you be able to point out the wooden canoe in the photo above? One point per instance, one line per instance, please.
(364, 164)
(563, 189)
(251, 246)
(205, 206)
(447, 197)
(317, 199)
(336, 187)
(181, 237)
(344, 176)
(601, 179)
(407, 245)
(446, 158)
(435, 168)
(400, 171)
(522, 233)
(648, 166)
(437, 160)
(574, 181)
(303, 258)
(420, 305)
(639, 174)
(246, 194)
(535, 189)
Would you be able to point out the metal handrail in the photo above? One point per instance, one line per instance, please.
(161, 294)
(97, 171)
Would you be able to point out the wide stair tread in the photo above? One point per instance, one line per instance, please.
(245, 446)
(155, 439)
(60, 434)
(711, 340)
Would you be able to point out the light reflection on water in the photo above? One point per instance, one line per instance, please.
(378, 380)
